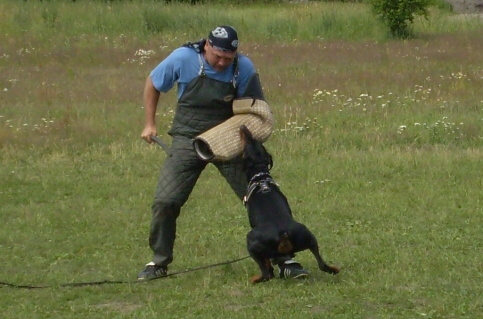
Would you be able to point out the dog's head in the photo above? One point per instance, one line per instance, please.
(255, 156)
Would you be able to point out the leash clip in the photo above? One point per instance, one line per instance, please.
(264, 188)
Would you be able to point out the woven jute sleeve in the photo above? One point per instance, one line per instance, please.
(223, 143)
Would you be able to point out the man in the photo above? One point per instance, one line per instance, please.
(209, 75)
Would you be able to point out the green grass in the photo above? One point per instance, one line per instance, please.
(378, 147)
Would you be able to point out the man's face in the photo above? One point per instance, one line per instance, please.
(219, 60)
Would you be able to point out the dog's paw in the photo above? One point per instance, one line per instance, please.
(329, 269)
(333, 270)
(258, 279)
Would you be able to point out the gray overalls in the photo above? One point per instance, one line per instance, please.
(204, 104)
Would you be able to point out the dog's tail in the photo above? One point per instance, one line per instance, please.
(284, 246)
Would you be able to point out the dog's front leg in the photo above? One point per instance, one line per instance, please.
(266, 271)
(255, 249)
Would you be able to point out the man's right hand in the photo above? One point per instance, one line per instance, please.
(149, 131)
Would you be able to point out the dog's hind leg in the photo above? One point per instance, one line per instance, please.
(322, 264)
(310, 242)
(314, 248)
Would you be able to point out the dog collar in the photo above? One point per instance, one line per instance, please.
(263, 185)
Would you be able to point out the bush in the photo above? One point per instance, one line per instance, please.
(398, 15)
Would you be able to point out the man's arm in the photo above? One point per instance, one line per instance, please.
(151, 98)
(254, 89)
(248, 81)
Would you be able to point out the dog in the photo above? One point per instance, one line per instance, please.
(274, 231)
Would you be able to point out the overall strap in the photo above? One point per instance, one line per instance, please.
(202, 65)
(235, 70)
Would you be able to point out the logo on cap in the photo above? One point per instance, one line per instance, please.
(220, 33)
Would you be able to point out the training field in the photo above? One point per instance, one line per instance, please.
(378, 146)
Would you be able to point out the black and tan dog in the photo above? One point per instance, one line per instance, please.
(274, 232)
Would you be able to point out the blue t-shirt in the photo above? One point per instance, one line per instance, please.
(183, 65)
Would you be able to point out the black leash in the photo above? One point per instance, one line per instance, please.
(107, 282)
(110, 282)
(163, 145)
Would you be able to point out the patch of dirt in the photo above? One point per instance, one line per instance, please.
(467, 6)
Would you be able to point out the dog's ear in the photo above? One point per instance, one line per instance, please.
(243, 138)
(243, 144)
(246, 138)
(242, 131)
(245, 133)
(267, 157)
(270, 165)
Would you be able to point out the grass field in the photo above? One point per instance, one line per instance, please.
(378, 147)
